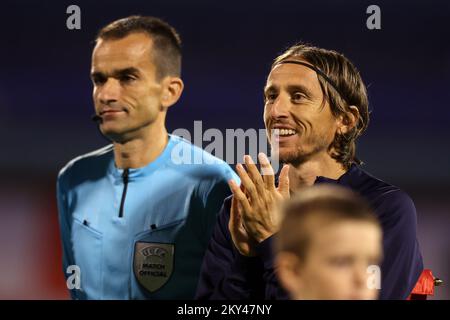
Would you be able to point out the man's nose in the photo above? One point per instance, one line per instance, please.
(280, 107)
(109, 92)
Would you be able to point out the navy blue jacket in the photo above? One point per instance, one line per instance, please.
(226, 274)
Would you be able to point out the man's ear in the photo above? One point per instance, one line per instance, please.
(348, 120)
(172, 89)
(289, 273)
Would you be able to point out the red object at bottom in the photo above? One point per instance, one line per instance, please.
(424, 286)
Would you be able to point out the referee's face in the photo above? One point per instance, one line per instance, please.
(126, 94)
(300, 125)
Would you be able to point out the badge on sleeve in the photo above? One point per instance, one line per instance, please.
(153, 264)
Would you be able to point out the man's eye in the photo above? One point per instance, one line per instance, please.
(297, 97)
(98, 81)
(127, 79)
(271, 97)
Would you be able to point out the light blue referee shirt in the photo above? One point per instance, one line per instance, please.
(140, 233)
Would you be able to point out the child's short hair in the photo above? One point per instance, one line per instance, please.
(313, 207)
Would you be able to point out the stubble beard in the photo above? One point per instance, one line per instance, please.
(303, 151)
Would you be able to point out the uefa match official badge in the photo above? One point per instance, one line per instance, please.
(153, 264)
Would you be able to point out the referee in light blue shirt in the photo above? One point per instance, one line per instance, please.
(134, 216)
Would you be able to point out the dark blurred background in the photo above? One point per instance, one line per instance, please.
(45, 104)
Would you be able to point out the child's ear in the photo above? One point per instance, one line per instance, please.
(172, 89)
(288, 269)
(348, 120)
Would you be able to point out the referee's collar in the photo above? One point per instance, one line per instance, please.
(146, 170)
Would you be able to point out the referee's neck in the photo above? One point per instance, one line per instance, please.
(139, 152)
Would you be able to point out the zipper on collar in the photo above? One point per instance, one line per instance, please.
(124, 192)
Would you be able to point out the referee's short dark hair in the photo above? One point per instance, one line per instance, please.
(166, 41)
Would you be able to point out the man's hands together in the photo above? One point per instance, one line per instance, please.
(252, 216)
